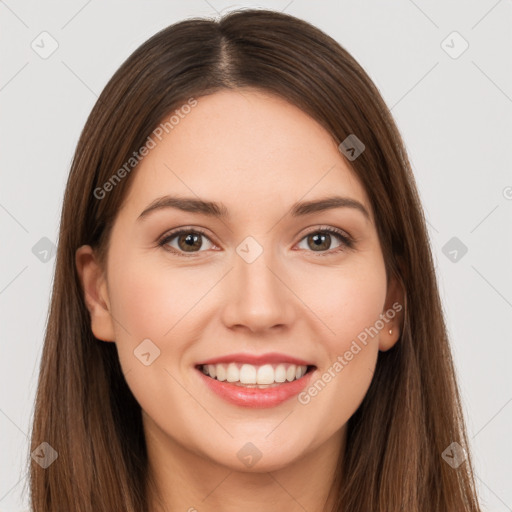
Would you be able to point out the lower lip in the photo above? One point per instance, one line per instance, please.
(256, 398)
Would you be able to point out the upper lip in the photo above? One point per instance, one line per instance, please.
(256, 359)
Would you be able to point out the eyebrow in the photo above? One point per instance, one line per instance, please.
(219, 210)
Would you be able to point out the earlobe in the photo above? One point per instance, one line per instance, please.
(94, 288)
(393, 313)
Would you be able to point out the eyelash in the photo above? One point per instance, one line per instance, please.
(346, 241)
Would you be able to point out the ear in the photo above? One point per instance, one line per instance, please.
(393, 312)
(95, 291)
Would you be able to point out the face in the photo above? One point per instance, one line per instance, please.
(262, 293)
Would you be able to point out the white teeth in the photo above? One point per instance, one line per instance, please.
(220, 371)
(265, 374)
(211, 370)
(232, 373)
(280, 373)
(248, 374)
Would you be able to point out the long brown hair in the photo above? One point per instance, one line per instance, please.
(393, 460)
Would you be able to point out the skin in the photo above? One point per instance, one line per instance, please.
(257, 154)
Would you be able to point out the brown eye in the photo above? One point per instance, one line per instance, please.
(322, 239)
(319, 241)
(189, 242)
(185, 241)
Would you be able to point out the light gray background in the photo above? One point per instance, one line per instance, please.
(455, 115)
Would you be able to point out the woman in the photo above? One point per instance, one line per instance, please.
(245, 312)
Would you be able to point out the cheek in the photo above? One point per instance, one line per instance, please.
(150, 299)
(160, 303)
(357, 311)
(346, 301)
(152, 303)
(350, 344)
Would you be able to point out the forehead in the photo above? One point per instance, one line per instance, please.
(248, 149)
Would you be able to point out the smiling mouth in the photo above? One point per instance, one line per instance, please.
(255, 376)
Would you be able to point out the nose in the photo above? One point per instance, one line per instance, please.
(259, 297)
